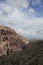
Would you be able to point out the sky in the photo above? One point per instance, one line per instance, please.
(24, 16)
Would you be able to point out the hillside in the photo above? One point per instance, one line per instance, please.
(32, 55)
(10, 40)
(16, 50)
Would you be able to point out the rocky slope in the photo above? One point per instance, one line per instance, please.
(11, 41)
(32, 55)
(31, 52)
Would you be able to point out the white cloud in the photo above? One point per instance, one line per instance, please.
(16, 14)
(10, 14)
(18, 3)
(16, 17)
(25, 4)
(6, 8)
(33, 26)
(31, 11)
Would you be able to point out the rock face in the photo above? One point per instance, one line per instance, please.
(11, 41)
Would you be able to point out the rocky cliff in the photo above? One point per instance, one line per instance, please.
(11, 41)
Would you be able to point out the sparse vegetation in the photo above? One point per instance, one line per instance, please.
(31, 54)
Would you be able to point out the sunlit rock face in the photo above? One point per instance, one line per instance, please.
(10, 41)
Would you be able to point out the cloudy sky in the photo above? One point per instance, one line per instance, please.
(24, 16)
